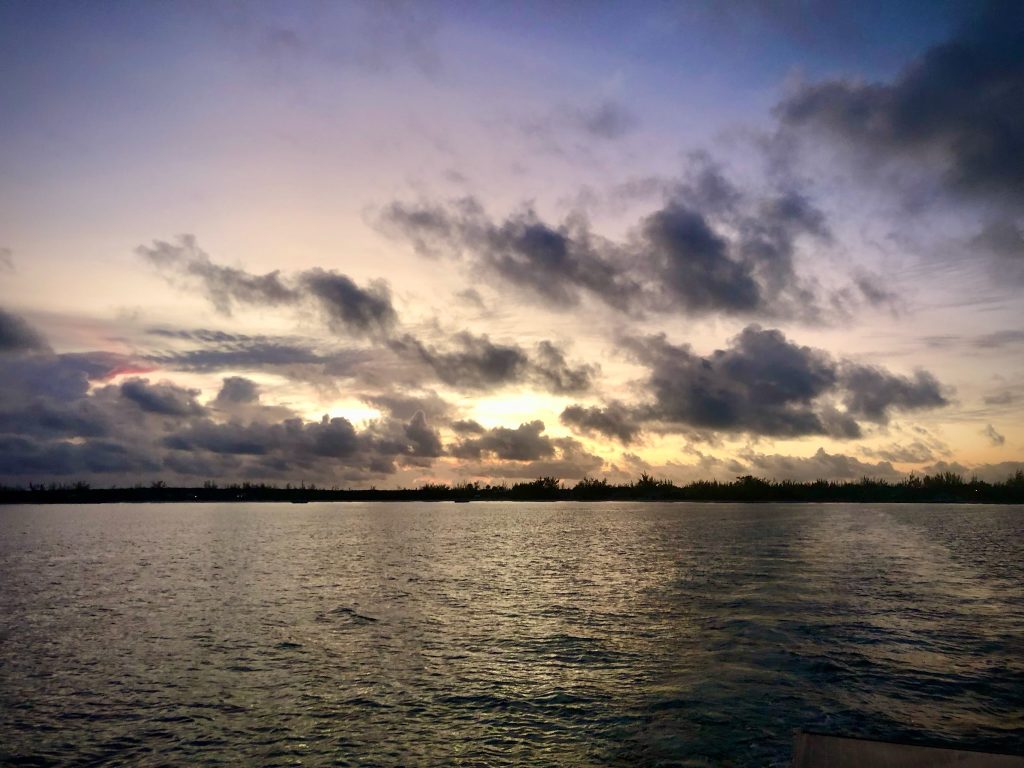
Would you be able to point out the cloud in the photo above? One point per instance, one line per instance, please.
(764, 384)
(555, 264)
(993, 436)
(16, 335)
(402, 405)
(872, 288)
(467, 427)
(476, 362)
(960, 104)
(328, 445)
(346, 306)
(606, 120)
(6, 260)
(224, 286)
(472, 297)
(1004, 239)
(821, 466)
(990, 473)
(206, 335)
(709, 249)
(914, 453)
(244, 355)
(1000, 339)
(524, 443)
(615, 420)
(237, 390)
(230, 438)
(164, 399)
(1005, 397)
(349, 307)
(425, 441)
(523, 452)
(63, 377)
(44, 418)
(297, 359)
(695, 263)
(22, 456)
(871, 392)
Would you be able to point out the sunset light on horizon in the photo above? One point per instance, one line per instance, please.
(385, 244)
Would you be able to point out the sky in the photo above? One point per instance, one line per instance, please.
(386, 243)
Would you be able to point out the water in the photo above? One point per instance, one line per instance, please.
(500, 634)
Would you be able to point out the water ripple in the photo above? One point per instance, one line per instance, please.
(549, 634)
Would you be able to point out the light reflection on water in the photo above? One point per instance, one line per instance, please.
(558, 634)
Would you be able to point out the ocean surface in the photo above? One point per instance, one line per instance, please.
(558, 634)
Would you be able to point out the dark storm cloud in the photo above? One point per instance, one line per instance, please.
(22, 456)
(524, 453)
(871, 393)
(476, 362)
(349, 307)
(467, 427)
(424, 440)
(164, 398)
(346, 306)
(328, 444)
(63, 377)
(43, 417)
(16, 335)
(404, 406)
(961, 105)
(556, 264)
(708, 249)
(695, 264)
(238, 390)
(47, 400)
(231, 438)
(553, 372)
(764, 384)
(524, 443)
(615, 420)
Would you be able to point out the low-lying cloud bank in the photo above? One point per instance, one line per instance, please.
(92, 415)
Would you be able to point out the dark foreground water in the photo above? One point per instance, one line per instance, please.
(498, 634)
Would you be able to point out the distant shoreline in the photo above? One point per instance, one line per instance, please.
(946, 488)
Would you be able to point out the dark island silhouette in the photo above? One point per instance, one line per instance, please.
(946, 487)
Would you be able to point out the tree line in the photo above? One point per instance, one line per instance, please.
(939, 488)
